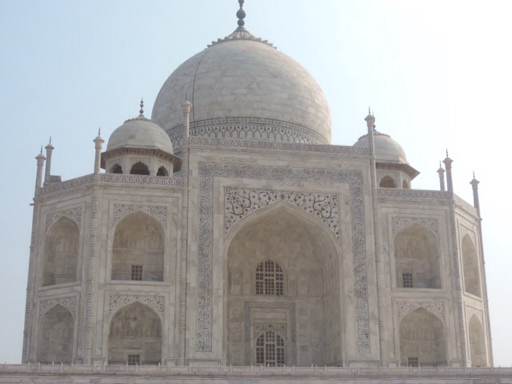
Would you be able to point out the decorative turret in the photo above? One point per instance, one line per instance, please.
(49, 149)
(476, 203)
(448, 164)
(98, 145)
(39, 175)
(440, 171)
(186, 117)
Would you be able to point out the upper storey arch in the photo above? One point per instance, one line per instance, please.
(417, 258)
(242, 87)
(61, 252)
(471, 270)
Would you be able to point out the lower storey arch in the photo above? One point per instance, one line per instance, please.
(56, 336)
(422, 339)
(135, 336)
(477, 343)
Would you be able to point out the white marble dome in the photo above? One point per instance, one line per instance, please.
(386, 149)
(243, 87)
(142, 133)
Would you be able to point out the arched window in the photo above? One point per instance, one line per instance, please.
(135, 336)
(270, 349)
(61, 253)
(162, 171)
(387, 182)
(139, 169)
(470, 260)
(116, 169)
(56, 336)
(269, 279)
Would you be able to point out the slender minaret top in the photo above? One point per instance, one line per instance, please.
(49, 149)
(241, 16)
(141, 107)
(98, 145)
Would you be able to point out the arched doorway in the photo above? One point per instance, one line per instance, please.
(422, 340)
(56, 336)
(135, 336)
(477, 343)
(417, 258)
(283, 276)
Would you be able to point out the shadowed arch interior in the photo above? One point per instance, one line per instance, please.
(138, 252)
(61, 253)
(471, 271)
(417, 258)
(56, 336)
(135, 336)
(387, 182)
(139, 169)
(422, 340)
(308, 260)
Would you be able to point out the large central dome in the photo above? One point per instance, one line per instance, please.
(243, 87)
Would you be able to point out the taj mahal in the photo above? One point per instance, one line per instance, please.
(225, 234)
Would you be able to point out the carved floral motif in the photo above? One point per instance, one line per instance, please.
(402, 222)
(67, 302)
(74, 214)
(241, 202)
(280, 328)
(117, 301)
(405, 307)
(121, 210)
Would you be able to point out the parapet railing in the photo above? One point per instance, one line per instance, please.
(253, 370)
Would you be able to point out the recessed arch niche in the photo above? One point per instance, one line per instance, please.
(138, 250)
(308, 255)
(56, 336)
(477, 343)
(470, 262)
(61, 253)
(135, 335)
(417, 260)
(422, 339)
(387, 182)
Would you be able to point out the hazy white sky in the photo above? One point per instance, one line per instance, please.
(438, 75)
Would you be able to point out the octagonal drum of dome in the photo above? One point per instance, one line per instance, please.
(244, 88)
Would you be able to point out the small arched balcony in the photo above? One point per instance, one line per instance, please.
(139, 168)
(387, 182)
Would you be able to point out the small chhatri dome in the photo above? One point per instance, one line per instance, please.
(140, 132)
(243, 87)
(386, 149)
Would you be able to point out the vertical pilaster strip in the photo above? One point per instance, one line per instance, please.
(457, 281)
(184, 237)
(476, 202)
(25, 355)
(383, 346)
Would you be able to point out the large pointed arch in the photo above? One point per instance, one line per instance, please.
(56, 335)
(308, 254)
(417, 258)
(138, 248)
(135, 335)
(422, 339)
(61, 252)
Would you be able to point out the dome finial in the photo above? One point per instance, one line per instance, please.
(241, 15)
(141, 107)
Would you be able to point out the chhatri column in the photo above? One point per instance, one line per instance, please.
(448, 165)
(441, 177)
(49, 149)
